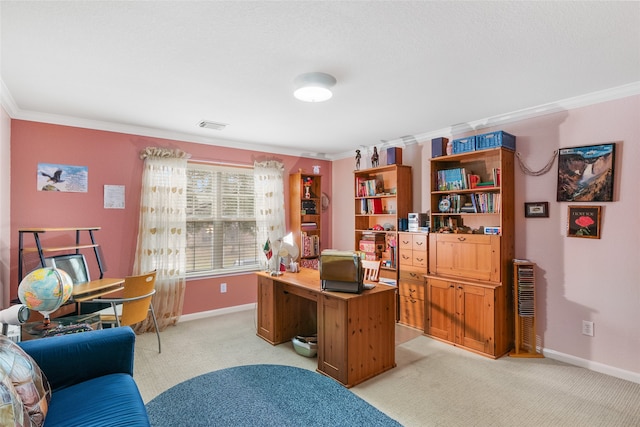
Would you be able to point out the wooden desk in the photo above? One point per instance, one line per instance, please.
(356, 332)
(95, 289)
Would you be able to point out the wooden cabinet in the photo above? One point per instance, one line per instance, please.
(412, 257)
(471, 247)
(305, 204)
(382, 196)
(466, 314)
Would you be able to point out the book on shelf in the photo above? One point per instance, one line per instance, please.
(369, 187)
(371, 206)
(308, 226)
(310, 245)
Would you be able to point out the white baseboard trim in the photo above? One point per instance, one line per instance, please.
(218, 312)
(593, 366)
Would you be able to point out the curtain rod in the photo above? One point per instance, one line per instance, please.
(220, 163)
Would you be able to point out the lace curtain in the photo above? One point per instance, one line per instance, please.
(269, 190)
(162, 232)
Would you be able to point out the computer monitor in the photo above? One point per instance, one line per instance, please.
(73, 264)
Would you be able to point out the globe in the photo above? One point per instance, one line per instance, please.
(45, 290)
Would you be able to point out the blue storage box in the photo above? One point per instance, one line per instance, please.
(464, 145)
(496, 139)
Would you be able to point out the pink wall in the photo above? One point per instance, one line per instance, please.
(577, 279)
(112, 159)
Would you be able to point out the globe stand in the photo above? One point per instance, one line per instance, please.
(41, 328)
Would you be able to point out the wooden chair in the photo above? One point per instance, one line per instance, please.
(134, 305)
(371, 270)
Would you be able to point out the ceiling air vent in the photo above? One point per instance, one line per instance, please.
(212, 125)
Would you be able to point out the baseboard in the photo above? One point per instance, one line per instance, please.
(593, 366)
(218, 312)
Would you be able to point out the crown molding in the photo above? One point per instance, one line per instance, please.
(8, 103)
(611, 94)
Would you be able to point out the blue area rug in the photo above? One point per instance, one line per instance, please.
(263, 395)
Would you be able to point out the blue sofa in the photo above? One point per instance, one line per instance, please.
(91, 378)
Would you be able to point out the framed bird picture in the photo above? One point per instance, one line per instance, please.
(66, 178)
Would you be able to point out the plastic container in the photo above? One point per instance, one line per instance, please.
(305, 347)
(464, 145)
(495, 139)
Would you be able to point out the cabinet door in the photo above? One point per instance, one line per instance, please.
(466, 255)
(440, 309)
(474, 323)
(332, 337)
(266, 314)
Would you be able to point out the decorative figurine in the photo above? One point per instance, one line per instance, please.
(358, 156)
(308, 181)
(374, 158)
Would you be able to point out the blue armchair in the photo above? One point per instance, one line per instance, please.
(91, 378)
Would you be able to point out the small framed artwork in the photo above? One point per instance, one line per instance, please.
(536, 210)
(585, 174)
(584, 221)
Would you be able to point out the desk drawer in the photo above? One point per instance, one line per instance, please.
(411, 289)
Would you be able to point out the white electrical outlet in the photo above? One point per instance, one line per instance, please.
(587, 328)
(223, 288)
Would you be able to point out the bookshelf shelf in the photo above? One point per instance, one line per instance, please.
(381, 196)
(471, 245)
(305, 222)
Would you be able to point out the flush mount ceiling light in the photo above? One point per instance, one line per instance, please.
(313, 87)
(212, 125)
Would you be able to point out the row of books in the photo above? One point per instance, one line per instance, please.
(371, 206)
(459, 179)
(309, 226)
(368, 187)
(310, 245)
(474, 203)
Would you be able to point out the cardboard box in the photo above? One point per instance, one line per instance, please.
(370, 246)
(394, 156)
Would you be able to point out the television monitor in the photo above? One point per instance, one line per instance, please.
(73, 264)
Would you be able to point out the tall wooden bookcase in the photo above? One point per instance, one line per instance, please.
(469, 293)
(382, 196)
(305, 204)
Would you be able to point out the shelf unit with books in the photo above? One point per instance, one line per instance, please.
(382, 196)
(305, 222)
(468, 291)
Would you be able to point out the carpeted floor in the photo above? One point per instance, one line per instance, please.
(262, 395)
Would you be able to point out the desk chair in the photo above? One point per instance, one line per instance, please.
(371, 270)
(134, 305)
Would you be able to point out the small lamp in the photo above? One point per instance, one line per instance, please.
(314, 87)
(14, 315)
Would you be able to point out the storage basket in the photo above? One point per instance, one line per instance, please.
(495, 139)
(464, 145)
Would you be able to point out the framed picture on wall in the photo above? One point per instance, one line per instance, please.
(536, 210)
(584, 221)
(585, 174)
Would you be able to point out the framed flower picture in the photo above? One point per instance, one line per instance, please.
(584, 221)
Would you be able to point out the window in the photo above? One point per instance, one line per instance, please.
(221, 225)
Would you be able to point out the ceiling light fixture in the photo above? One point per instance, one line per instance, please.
(212, 125)
(314, 87)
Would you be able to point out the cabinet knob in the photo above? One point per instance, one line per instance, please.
(419, 243)
(462, 239)
(405, 242)
(413, 274)
(420, 259)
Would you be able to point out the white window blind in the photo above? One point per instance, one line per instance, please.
(221, 225)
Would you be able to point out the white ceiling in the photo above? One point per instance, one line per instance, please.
(404, 68)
